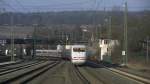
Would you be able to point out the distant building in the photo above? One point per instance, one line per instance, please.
(145, 44)
(107, 47)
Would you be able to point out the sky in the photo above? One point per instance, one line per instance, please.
(71, 5)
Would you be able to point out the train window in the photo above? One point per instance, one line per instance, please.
(105, 41)
(79, 49)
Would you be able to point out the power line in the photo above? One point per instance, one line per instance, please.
(92, 6)
(62, 4)
(22, 6)
(52, 7)
(4, 2)
(67, 6)
(11, 30)
(126, 34)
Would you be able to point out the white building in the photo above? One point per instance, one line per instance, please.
(106, 47)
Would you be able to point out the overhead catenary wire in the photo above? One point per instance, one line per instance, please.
(67, 6)
(24, 8)
(11, 31)
(97, 4)
(7, 4)
(61, 4)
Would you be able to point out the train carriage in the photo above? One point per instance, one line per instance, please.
(48, 54)
(78, 54)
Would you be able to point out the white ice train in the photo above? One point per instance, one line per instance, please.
(78, 54)
(46, 54)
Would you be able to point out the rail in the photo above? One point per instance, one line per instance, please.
(126, 74)
(80, 75)
(29, 74)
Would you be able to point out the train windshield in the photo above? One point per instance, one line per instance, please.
(78, 49)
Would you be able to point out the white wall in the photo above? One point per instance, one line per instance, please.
(107, 46)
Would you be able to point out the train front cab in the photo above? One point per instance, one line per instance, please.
(78, 54)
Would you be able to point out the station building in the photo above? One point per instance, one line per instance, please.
(107, 47)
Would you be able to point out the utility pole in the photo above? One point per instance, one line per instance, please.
(109, 37)
(110, 28)
(126, 34)
(12, 38)
(147, 50)
(92, 38)
(34, 41)
(82, 35)
(48, 38)
(66, 39)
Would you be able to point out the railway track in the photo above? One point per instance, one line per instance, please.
(16, 65)
(9, 64)
(127, 75)
(79, 75)
(64, 73)
(132, 76)
(13, 69)
(140, 74)
(25, 75)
